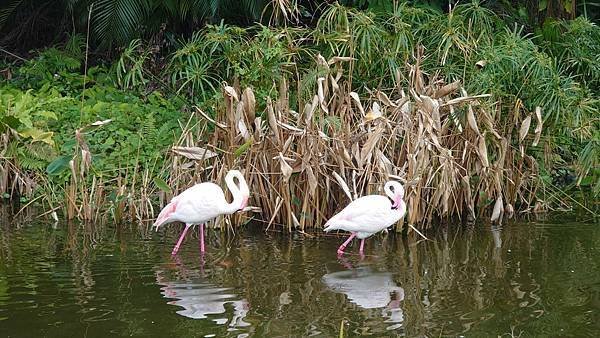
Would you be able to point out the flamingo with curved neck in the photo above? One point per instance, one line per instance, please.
(203, 202)
(370, 214)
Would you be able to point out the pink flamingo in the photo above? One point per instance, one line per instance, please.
(203, 202)
(368, 215)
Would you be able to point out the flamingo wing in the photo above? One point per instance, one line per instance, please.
(366, 214)
(197, 204)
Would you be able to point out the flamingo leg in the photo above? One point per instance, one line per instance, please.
(201, 238)
(176, 248)
(340, 250)
(362, 245)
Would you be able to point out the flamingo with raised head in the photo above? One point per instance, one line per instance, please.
(368, 215)
(203, 202)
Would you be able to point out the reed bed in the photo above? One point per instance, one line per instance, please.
(307, 156)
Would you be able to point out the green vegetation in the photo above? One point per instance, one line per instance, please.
(298, 54)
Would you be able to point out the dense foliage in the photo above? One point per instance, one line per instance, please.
(48, 101)
(549, 63)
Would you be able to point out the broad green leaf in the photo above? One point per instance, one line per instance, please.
(38, 135)
(58, 165)
(162, 185)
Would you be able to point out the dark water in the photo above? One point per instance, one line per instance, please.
(535, 279)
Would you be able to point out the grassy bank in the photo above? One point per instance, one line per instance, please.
(478, 118)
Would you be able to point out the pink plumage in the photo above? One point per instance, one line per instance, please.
(370, 214)
(203, 202)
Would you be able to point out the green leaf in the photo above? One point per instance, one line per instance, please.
(11, 121)
(162, 185)
(38, 135)
(47, 114)
(244, 147)
(58, 165)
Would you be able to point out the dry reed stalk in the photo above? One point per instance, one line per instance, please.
(303, 167)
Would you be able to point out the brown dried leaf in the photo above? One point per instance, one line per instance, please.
(524, 128)
(312, 181)
(367, 148)
(230, 91)
(539, 126)
(286, 170)
(342, 184)
(249, 102)
(356, 99)
(334, 84)
(258, 127)
(272, 120)
(374, 112)
(321, 61)
(510, 211)
(194, 153)
(208, 118)
(385, 163)
(465, 99)
(100, 123)
(498, 210)
(471, 120)
(483, 152)
(385, 99)
(447, 89)
(321, 94)
(337, 59)
(243, 129)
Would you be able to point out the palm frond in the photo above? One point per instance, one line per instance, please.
(7, 10)
(117, 21)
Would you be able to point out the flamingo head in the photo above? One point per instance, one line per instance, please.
(397, 202)
(395, 191)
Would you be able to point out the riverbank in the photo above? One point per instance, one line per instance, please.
(477, 124)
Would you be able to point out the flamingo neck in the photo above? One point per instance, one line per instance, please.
(240, 194)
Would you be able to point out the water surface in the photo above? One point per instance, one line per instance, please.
(534, 279)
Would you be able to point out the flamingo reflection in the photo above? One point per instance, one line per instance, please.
(200, 298)
(369, 290)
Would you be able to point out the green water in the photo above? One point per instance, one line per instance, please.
(535, 279)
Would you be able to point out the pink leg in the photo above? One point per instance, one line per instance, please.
(362, 245)
(343, 246)
(202, 238)
(176, 248)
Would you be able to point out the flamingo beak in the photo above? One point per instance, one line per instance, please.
(244, 203)
(397, 202)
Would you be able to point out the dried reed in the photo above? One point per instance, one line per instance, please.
(453, 151)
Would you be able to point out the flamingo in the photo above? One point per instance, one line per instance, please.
(203, 202)
(368, 215)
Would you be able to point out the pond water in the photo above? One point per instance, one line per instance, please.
(534, 279)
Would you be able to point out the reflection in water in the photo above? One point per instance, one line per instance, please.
(369, 290)
(480, 281)
(200, 298)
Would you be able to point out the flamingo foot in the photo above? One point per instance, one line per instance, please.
(202, 238)
(176, 248)
(340, 250)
